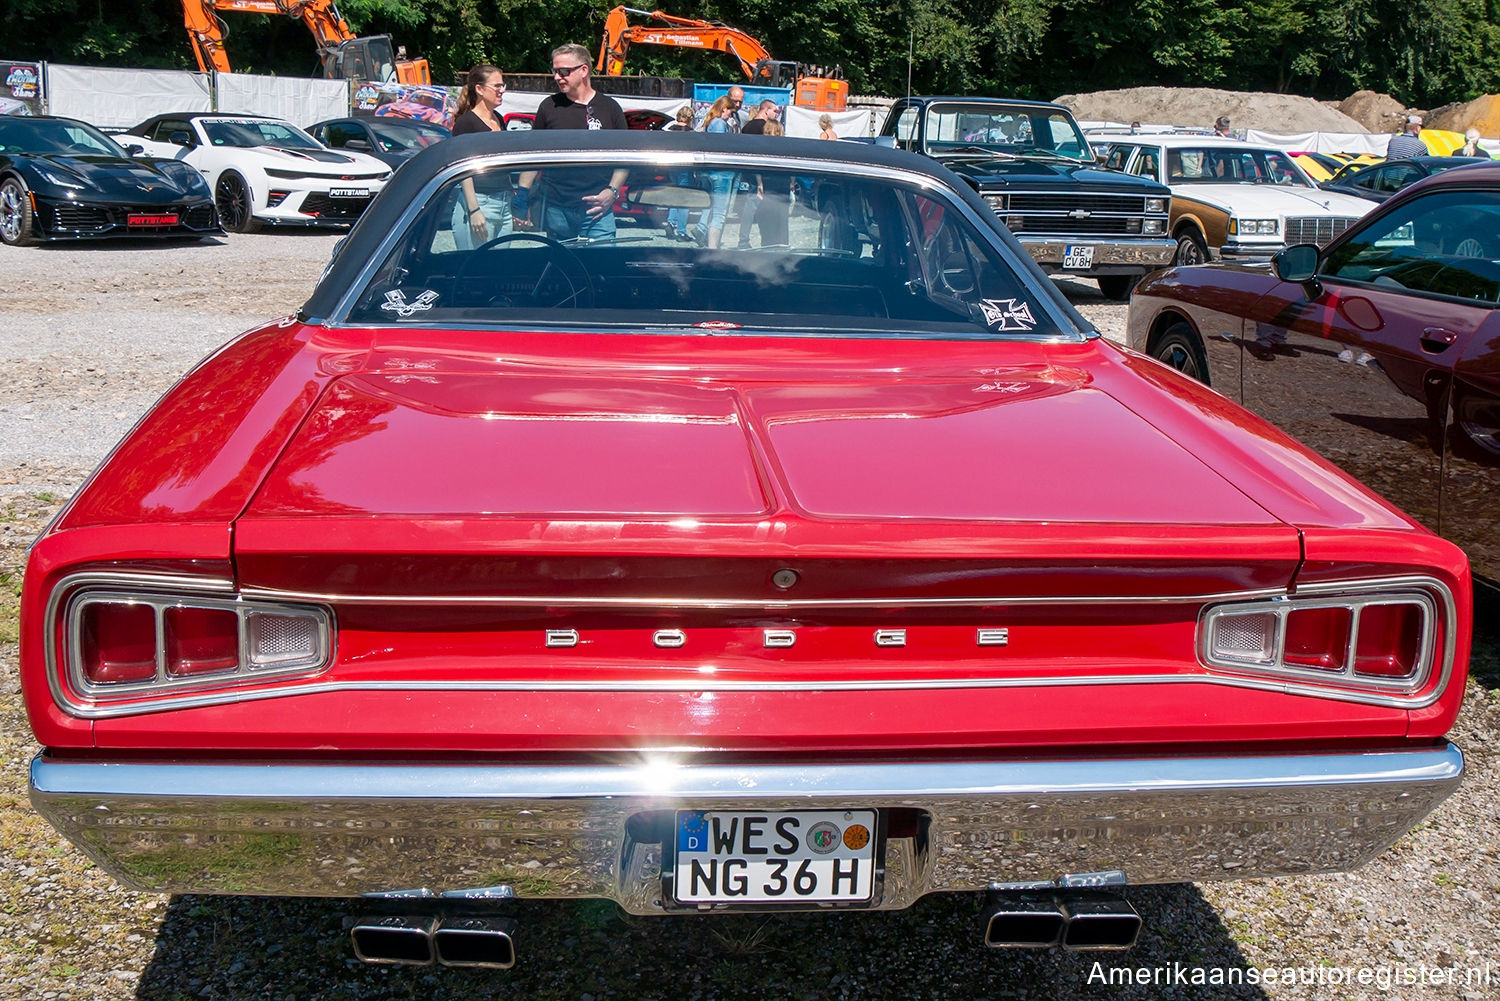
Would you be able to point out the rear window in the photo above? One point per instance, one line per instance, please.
(718, 250)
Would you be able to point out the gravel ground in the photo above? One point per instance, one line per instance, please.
(95, 335)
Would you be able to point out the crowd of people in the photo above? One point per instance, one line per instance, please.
(581, 203)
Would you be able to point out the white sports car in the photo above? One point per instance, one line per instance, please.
(264, 170)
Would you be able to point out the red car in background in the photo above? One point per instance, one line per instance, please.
(1381, 351)
(824, 574)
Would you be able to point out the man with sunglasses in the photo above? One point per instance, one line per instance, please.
(578, 201)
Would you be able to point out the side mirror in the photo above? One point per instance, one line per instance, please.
(181, 139)
(134, 150)
(1297, 263)
(358, 145)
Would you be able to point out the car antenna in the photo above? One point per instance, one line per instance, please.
(910, 46)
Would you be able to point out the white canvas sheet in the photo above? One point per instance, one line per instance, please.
(122, 97)
(802, 123)
(1373, 143)
(301, 101)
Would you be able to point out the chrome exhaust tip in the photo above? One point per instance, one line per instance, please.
(1099, 923)
(398, 939)
(1023, 921)
(488, 943)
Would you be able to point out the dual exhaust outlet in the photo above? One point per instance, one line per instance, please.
(1078, 922)
(424, 939)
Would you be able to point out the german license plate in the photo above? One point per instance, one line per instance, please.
(348, 192)
(801, 857)
(1077, 258)
(166, 219)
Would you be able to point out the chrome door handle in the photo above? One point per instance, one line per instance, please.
(1438, 338)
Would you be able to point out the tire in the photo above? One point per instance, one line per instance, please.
(232, 199)
(1179, 348)
(1118, 287)
(16, 218)
(1190, 249)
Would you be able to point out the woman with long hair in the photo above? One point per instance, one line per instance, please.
(710, 228)
(482, 211)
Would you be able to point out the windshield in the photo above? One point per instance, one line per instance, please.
(248, 132)
(1231, 165)
(31, 135)
(408, 137)
(712, 250)
(1015, 129)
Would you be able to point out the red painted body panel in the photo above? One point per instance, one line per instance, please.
(472, 467)
(833, 722)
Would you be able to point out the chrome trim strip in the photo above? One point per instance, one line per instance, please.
(338, 316)
(704, 683)
(990, 820)
(729, 604)
(651, 772)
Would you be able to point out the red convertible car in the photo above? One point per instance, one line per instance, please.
(827, 573)
(1382, 351)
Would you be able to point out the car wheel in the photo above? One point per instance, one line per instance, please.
(1179, 348)
(15, 212)
(232, 199)
(1190, 249)
(1118, 287)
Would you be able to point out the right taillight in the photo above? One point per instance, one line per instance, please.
(1375, 641)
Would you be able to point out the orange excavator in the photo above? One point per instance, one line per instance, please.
(812, 87)
(344, 54)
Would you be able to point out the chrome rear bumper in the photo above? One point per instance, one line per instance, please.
(536, 830)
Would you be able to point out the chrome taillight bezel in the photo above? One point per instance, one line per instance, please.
(1344, 677)
(82, 696)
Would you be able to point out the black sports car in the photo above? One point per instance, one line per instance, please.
(1379, 181)
(392, 140)
(62, 179)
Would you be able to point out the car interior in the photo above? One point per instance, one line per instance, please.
(850, 252)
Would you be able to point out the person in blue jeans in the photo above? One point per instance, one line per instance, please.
(676, 226)
(710, 228)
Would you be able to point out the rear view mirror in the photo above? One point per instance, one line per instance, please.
(1298, 263)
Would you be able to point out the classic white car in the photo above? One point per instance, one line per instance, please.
(264, 170)
(1232, 199)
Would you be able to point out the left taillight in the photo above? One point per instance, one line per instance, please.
(1381, 642)
(119, 644)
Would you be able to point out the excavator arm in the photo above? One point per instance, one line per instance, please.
(321, 17)
(682, 32)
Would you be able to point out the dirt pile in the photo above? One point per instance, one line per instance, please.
(1482, 113)
(1199, 106)
(1376, 112)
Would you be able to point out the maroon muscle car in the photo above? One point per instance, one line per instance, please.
(1382, 351)
(827, 573)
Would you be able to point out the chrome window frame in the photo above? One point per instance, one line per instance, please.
(982, 225)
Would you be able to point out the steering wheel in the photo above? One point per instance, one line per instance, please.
(579, 293)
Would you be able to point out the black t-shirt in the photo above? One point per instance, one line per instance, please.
(493, 182)
(561, 112)
(754, 127)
